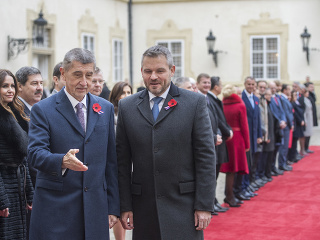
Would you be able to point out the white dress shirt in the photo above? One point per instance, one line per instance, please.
(163, 95)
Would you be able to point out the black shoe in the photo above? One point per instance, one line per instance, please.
(309, 151)
(235, 204)
(220, 207)
(214, 213)
(251, 194)
(289, 162)
(265, 179)
(280, 172)
(238, 201)
(253, 189)
(260, 182)
(255, 185)
(242, 197)
(274, 174)
(270, 179)
(217, 209)
(286, 168)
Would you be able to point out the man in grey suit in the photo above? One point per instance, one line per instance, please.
(166, 156)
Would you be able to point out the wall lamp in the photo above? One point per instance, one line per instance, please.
(305, 36)
(19, 45)
(210, 42)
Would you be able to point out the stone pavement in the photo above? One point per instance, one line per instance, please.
(314, 141)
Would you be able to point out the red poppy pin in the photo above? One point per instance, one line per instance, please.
(97, 108)
(171, 104)
(256, 103)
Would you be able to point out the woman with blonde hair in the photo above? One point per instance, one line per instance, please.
(16, 191)
(236, 116)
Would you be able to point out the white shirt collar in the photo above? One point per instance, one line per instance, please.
(212, 94)
(25, 103)
(248, 94)
(163, 95)
(74, 101)
(283, 95)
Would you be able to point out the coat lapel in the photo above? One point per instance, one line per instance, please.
(65, 108)
(92, 116)
(173, 92)
(144, 106)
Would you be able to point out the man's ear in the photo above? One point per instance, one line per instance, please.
(20, 87)
(172, 70)
(63, 72)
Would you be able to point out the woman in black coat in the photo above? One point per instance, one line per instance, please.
(16, 189)
(299, 126)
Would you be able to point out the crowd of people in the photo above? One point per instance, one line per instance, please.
(260, 126)
(79, 163)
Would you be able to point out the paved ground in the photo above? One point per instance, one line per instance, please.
(315, 140)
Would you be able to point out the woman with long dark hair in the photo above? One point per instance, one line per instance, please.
(16, 189)
(119, 91)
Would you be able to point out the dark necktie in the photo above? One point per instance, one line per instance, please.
(155, 109)
(80, 115)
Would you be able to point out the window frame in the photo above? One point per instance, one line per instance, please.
(117, 66)
(89, 35)
(169, 42)
(265, 65)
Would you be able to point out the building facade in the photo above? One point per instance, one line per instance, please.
(253, 37)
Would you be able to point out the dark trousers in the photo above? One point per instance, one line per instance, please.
(283, 149)
(266, 164)
(237, 186)
(306, 144)
(274, 157)
(292, 154)
(254, 166)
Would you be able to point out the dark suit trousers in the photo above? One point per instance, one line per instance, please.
(254, 166)
(274, 157)
(283, 149)
(264, 168)
(292, 154)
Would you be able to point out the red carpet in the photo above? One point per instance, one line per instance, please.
(287, 208)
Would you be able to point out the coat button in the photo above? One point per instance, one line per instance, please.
(85, 189)
(86, 164)
(156, 150)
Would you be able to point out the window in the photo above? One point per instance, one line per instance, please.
(176, 48)
(46, 38)
(87, 40)
(265, 57)
(117, 56)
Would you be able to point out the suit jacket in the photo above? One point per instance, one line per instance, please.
(222, 152)
(277, 109)
(288, 110)
(167, 166)
(253, 115)
(74, 205)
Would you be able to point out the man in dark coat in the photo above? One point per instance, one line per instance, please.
(72, 145)
(166, 156)
(253, 115)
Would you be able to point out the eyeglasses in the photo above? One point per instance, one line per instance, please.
(94, 82)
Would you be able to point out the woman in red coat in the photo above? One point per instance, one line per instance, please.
(236, 116)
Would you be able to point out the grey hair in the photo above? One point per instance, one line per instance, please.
(180, 81)
(249, 77)
(156, 51)
(80, 55)
(97, 71)
(23, 73)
